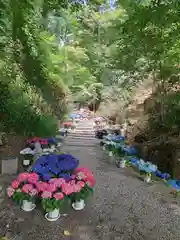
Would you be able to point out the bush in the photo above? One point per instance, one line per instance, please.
(26, 113)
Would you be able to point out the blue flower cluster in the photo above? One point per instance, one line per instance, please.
(148, 167)
(144, 166)
(128, 150)
(75, 116)
(174, 184)
(55, 165)
(114, 138)
(118, 142)
(52, 140)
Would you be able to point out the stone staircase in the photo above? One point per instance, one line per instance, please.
(82, 136)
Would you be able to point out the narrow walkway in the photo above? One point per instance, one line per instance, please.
(122, 208)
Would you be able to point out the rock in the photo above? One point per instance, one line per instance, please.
(9, 165)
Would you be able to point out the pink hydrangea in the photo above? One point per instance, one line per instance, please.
(81, 184)
(82, 169)
(67, 189)
(72, 182)
(86, 175)
(33, 192)
(10, 191)
(27, 188)
(51, 187)
(22, 177)
(59, 182)
(81, 176)
(33, 178)
(90, 180)
(46, 194)
(53, 180)
(41, 186)
(15, 184)
(77, 188)
(59, 196)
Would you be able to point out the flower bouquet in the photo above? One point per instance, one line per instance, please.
(23, 190)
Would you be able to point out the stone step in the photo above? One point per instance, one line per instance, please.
(69, 141)
(70, 138)
(84, 129)
(90, 137)
(79, 144)
(89, 129)
(80, 137)
(82, 133)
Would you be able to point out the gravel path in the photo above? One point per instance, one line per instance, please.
(122, 208)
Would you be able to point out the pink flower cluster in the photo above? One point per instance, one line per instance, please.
(57, 181)
(51, 189)
(15, 184)
(85, 175)
(32, 178)
(57, 195)
(41, 186)
(29, 189)
(22, 177)
(57, 188)
(25, 183)
(10, 191)
(72, 187)
(42, 141)
(52, 186)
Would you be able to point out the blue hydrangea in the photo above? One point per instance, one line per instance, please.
(162, 175)
(52, 140)
(55, 164)
(66, 176)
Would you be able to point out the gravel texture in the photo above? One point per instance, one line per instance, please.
(123, 207)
